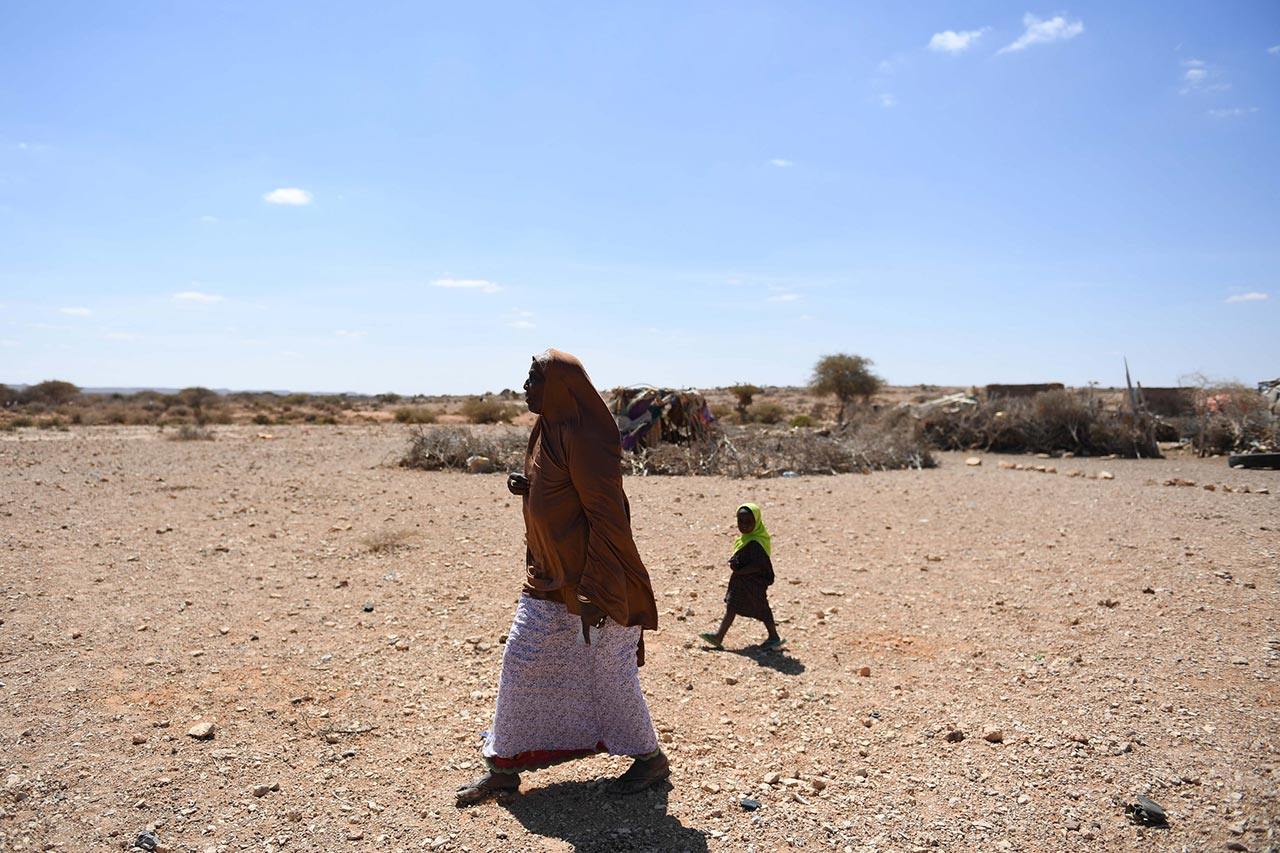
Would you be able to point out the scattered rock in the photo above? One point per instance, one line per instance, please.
(1106, 475)
(994, 736)
(954, 736)
(202, 731)
(973, 461)
(139, 739)
(864, 671)
(730, 679)
(368, 607)
(750, 804)
(147, 840)
(772, 778)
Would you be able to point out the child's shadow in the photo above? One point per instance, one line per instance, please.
(591, 819)
(776, 659)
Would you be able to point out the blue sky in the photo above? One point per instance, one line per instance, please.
(416, 197)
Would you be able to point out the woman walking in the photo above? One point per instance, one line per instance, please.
(570, 684)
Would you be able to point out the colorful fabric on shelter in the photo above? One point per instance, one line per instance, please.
(559, 699)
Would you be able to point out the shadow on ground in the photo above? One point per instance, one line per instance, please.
(774, 659)
(590, 819)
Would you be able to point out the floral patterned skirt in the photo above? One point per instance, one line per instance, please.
(559, 699)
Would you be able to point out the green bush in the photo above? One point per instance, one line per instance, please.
(801, 421)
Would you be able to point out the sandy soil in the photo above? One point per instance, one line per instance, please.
(979, 658)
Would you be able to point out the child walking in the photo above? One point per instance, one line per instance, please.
(749, 584)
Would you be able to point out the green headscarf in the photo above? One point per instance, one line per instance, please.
(757, 534)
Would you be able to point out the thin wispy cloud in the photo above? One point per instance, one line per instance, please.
(1038, 31)
(521, 324)
(195, 297)
(784, 297)
(1199, 76)
(1232, 112)
(1251, 296)
(468, 284)
(1274, 51)
(208, 219)
(76, 312)
(288, 196)
(950, 41)
(350, 335)
(120, 336)
(9, 343)
(780, 163)
(888, 100)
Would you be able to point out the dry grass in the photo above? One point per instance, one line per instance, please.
(386, 540)
(191, 432)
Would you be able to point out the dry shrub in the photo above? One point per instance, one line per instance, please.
(766, 413)
(416, 415)
(873, 444)
(435, 448)
(191, 432)
(1232, 417)
(1049, 422)
(478, 410)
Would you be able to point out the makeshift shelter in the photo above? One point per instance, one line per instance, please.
(648, 415)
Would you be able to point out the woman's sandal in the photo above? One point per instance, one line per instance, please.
(488, 785)
(641, 774)
(774, 644)
(711, 640)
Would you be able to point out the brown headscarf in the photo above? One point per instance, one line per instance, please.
(576, 517)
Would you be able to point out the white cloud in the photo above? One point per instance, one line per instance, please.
(950, 41)
(9, 343)
(1274, 51)
(1037, 31)
(1200, 76)
(780, 163)
(76, 312)
(1233, 112)
(521, 324)
(350, 335)
(1252, 296)
(191, 297)
(888, 100)
(120, 336)
(468, 284)
(785, 297)
(288, 195)
(208, 219)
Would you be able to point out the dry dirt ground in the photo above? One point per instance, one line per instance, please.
(979, 658)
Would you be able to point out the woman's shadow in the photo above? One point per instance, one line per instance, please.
(589, 818)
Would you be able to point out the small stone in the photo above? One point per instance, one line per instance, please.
(750, 804)
(1239, 661)
(222, 754)
(1073, 825)
(730, 679)
(368, 607)
(261, 790)
(711, 787)
(1236, 845)
(1210, 487)
(772, 778)
(330, 737)
(1023, 800)
(1106, 475)
(139, 739)
(819, 783)
(973, 461)
(954, 736)
(994, 736)
(202, 731)
(355, 835)
(865, 671)
(402, 645)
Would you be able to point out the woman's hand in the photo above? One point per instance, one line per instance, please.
(517, 484)
(592, 617)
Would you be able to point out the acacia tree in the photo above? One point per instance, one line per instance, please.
(745, 393)
(847, 377)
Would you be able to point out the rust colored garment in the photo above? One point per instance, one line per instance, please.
(577, 521)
